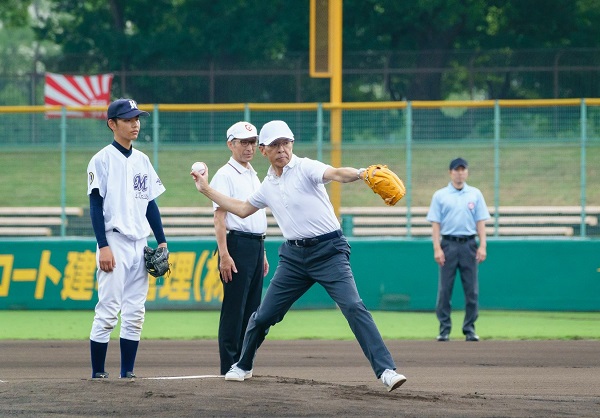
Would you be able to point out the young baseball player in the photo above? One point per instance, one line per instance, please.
(242, 261)
(315, 250)
(122, 186)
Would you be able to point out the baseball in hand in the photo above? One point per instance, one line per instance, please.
(199, 167)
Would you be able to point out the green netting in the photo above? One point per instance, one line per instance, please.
(519, 156)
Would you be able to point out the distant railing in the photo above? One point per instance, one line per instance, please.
(513, 221)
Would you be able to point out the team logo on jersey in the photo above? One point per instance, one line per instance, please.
(91, 177)
(140, 185)
(140, 182)
(471, 205)
(159, 182)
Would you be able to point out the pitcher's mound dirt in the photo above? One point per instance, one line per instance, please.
(306, 379)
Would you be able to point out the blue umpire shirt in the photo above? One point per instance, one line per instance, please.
(458, 211)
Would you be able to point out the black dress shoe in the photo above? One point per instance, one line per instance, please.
(443, 337)
(472, 337)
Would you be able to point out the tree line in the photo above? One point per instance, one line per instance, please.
(426, 46)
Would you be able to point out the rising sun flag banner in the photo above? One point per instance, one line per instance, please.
(77, 90)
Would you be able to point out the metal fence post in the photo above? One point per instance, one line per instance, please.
(408, 167)
(320, 131)
(247, 112)
(348, 225)
(583, 231)
(496, 168)
(155, 139)
(63, 172)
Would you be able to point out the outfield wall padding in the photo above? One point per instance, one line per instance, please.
(391, 274)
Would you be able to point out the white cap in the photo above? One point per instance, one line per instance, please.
(274, 130)
(241, 130)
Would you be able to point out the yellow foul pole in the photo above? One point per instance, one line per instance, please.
(335, 61)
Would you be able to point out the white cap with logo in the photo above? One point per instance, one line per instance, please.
(241, 130)
(274, 130)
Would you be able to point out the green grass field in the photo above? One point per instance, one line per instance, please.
(306, 324)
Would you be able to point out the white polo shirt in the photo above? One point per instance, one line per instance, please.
(236, 181)
(126, 184)
(298, 199)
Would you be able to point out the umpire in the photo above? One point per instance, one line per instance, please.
(457, 214)
(242, 261)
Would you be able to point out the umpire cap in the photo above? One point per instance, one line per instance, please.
(241, 130)
(458, 162)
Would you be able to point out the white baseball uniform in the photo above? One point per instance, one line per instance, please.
(126, 184)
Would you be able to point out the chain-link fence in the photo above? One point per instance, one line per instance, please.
(535, 161)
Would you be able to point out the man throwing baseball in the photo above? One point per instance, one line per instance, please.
(122, 186)
(315, 250)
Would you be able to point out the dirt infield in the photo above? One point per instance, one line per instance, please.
(306, 379)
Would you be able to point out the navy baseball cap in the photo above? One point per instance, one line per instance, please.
(458, 162)
(124, 109)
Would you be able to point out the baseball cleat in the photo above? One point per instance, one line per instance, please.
(443, 337)
(392, 380)
(237, 374)
(472, 337)
(129, 375)
(100, 375)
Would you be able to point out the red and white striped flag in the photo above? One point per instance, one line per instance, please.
(77, 90)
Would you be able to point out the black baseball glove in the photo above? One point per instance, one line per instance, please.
(157, 261)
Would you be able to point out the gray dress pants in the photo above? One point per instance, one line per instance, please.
(328, 264)
(460, 257)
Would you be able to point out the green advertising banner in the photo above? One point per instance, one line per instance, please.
(61, 274)
(391, 274)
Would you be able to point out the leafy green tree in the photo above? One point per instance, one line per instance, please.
(433, 29)
(14, 13)
(20, 51)
(161, 35)
(430, 46)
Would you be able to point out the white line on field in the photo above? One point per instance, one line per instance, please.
(182, 377)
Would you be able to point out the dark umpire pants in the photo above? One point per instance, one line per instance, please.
(326, 263)
(460, 253)
(241, 296)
